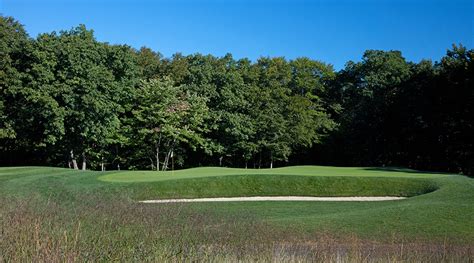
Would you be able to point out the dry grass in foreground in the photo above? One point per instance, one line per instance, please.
(36, 231)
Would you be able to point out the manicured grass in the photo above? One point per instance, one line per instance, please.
(441, 206)
(283, 185)
(152, 176)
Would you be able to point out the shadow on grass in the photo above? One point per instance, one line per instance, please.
(402, 170)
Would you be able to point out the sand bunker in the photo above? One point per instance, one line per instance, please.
(278, 198)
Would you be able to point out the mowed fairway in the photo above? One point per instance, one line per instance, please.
(439, 207)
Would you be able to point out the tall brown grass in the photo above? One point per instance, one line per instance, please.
(32, 230)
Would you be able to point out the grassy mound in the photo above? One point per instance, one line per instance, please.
(283, 185)
(297, 180)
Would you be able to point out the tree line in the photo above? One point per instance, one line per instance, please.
(70, 100)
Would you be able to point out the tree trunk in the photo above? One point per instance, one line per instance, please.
(271, 160)
(157, 149)
(246, 164)
(168, 155)
(157, 158)
(84, 161)
(167, 159)
(73, 160)
(102, 166)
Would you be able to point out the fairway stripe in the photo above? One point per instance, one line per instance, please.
(278, 198)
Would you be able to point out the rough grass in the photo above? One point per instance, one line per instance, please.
(37, 231)
(53, 214)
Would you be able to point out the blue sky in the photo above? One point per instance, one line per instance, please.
(331, 31)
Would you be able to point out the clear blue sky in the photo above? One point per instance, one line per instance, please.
(331, 31)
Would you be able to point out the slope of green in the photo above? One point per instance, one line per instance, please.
(440, 206)
(281, 185)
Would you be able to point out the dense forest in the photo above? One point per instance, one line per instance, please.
(69, 100)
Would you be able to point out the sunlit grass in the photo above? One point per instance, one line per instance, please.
(150, 176)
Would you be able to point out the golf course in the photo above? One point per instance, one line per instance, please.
(79, 213)
(236, 131)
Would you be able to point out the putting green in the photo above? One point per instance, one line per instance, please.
(288, 181)
(152, 176)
